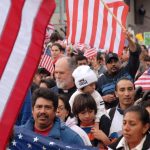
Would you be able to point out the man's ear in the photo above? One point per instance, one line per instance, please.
(116, 94)
(146, 128)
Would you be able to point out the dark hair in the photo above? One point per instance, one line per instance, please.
(145, 104)
(43, 71)
(82, 102)
(80, 57)
(65, 100)
(123, 78)
(141, 111)
(55, 36)
(49, 82)
(46, 94)
(58, 45)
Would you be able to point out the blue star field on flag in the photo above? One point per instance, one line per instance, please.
(24, 139)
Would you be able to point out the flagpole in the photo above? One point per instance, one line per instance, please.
(123, 27)
(105, 5)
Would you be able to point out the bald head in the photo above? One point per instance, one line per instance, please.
(68, 62)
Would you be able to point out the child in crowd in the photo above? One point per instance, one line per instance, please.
(85, 81)
(85, 109)
(64, 113)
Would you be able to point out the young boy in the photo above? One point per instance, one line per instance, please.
(85, 109)
(85, 81)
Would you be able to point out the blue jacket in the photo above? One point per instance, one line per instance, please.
(26, 110)
(59, 131)
(106, 82)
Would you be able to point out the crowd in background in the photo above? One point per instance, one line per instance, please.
(90, 98)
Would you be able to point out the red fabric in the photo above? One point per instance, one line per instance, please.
(14, 88)
(87, 129)
(45, 132)
(144, 81)
(47, 63)
(91, 23)
(90, 53)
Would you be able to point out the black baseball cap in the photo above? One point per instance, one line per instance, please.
(110, 56)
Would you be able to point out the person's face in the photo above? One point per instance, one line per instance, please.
(55, 51)
(113, 66)
(63, 75)
(43, 113)
(125, 92)
(89, 88)
(82, 62)
(133, 128)
(62, 113)
(87, 116)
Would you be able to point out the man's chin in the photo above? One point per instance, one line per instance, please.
(60, 86)
(114, 71)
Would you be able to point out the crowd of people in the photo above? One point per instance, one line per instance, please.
(90, 99)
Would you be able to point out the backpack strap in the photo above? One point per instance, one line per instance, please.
(111, 113)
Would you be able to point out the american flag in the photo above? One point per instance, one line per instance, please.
(89, 22)
(49, 31)
(47, 63)
(82, 47)
(90, 53)
(24, 139)
(22, 29)
(144, 81)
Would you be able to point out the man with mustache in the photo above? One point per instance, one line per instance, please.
(45, 122)
(107, 80)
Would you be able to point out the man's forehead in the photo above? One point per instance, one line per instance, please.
(125, 83)
(43, 101)
(62, 67)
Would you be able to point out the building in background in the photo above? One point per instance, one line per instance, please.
(59, 17)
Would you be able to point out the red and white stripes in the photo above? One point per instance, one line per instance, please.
(22, 33)
(47, 63)
(144, 81)
(89, 22)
